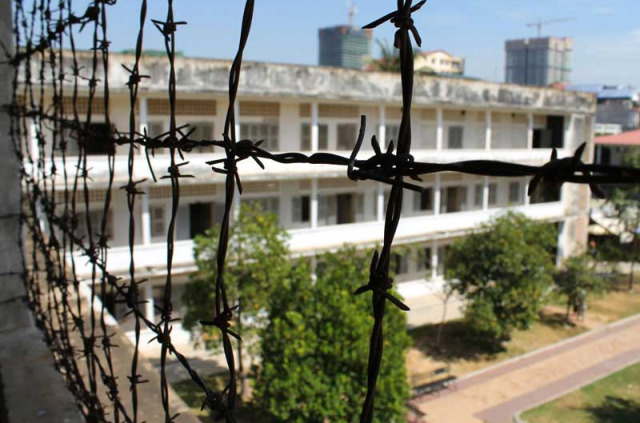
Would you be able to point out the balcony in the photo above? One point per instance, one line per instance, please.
(151, 259)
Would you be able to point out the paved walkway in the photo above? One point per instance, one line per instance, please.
(495, 394)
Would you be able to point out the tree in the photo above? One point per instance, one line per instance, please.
(622, 205)
(389, 60)
(502, 271)
(315, 347)
(258, 254)
(577, 280)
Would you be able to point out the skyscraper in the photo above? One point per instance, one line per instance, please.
(344, 46)
(538, 61)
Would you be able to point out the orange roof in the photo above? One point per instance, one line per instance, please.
(624, 138)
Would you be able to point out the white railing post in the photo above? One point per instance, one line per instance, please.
(314, 203)
(529, 131)
(314, 127)
(485, 194)
(440, 130)
(382, 126)
(380, 203)
(146, 219)
(436, 195)
(487, 130)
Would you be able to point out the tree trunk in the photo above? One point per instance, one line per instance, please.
(568, 316)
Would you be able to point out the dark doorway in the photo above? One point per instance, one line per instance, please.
(556, 125)
(201, 217)
(345, 209)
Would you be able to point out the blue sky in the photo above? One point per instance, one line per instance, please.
(606, 32)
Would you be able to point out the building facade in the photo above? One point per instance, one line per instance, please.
(439, 61)
(344, 46)
(538, 61)
(310, 109)
(617, 105)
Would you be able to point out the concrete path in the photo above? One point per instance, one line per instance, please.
(495, 394)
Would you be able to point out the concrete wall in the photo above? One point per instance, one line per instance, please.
(32, 388)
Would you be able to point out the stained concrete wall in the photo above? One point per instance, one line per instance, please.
(33, 389)
(260, 79)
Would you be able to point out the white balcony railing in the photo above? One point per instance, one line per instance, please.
(151, 259)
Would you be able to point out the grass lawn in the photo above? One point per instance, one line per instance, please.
(614, 399)
(465, 356)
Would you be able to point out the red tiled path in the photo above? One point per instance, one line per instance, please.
(496, 393)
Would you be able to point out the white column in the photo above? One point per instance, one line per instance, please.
(236, 112)
(314, 266)
(434, 259)
(149, 311)
(382, 126)
(487, 130)
(440, 130)
(485, 194)
(529, 131)
(143, 118)
(314, 203)
(314, 127)
(146, 220)
(568, 132)
(380, 203)
(436, 195)
(527, 199)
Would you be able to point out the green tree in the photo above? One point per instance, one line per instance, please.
(577, 280)
(623, 206)
(389, 60)
(315, 347)
(258, 254)
(503, 272)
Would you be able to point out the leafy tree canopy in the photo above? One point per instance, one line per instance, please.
(503, 271)
(577, 280)
(315, 347)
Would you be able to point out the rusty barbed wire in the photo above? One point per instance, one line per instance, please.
(54, 291)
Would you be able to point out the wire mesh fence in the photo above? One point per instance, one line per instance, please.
(55, 101)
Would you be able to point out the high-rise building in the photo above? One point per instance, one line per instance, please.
(344, 46)
(538, 61)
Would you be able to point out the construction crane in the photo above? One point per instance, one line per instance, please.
(352, 11)
(540, 23)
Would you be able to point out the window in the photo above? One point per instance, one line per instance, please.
(424, 259)
(493, 194)
(323, 137)
(392, 132)
(478, 196)
(399, 263)
(301, 213)
(155, 129)
(514, 192)
(326, 210)
(202, 131)
(267, 131)
(422, 201)
(266, 204)
(453, 199)
(157, 221)
(96, 139)
(96, 224)
(347, 135)
(455, 137)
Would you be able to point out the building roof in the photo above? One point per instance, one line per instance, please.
(608, 92)
(624, 138)
(426, 53)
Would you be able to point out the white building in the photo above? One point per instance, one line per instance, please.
(308, 108)
(439, 61)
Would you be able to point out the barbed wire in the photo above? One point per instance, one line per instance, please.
(53, 287)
